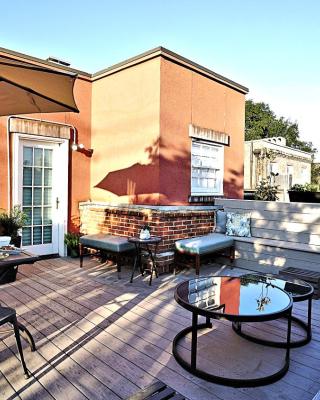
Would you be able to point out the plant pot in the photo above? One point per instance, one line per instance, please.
(72, 252)
(304, 197)
(16, 241)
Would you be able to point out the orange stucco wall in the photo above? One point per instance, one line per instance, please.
(125, 135)
(190, 98)
(79, 164)
(137, 122)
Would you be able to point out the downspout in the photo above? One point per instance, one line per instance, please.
(74, 133)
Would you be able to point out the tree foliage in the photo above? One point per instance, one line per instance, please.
(315, 173)
(261, 122)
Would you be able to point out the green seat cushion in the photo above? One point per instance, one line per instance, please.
(204, 244)
(116, 244)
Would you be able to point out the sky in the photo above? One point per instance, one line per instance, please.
(271, 47)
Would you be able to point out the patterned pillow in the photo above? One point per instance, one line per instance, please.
(238, 225)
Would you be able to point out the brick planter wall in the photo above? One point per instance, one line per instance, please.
(171, 223)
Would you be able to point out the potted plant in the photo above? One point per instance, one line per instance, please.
(11, 222)
(145, 232)
(307, 193)
(71, 240)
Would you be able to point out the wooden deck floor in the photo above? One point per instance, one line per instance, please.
(100, 338)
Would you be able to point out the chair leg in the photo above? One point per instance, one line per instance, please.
(197, 264)
(118, 261)
(26, 335)
(175, 260)
(17, 335)
(81, 250)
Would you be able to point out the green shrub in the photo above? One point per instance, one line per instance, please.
(11, 221)
(71, 240)
(266, 191)
(307, 187)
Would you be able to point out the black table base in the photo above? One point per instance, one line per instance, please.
(281, 344)
(145, 245)
(192, 365)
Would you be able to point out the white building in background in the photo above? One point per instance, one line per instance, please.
(265, 156)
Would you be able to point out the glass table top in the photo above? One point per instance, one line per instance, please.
(234, 296)
(296, 287)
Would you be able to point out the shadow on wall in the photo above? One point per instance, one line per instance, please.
(144, 179)
(234, 186)
(136, 179)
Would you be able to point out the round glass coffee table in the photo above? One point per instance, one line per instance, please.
(236, 299)
(299, 291)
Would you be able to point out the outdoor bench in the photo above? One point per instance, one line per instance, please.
(200, 246)
(284, 237)
(117, 246)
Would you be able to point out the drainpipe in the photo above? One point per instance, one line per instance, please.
(74, 132)
(251, 164)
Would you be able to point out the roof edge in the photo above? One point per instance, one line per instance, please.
(44, 62)
(148, 55)
(174, 57)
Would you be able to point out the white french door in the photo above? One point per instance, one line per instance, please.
(41, 170)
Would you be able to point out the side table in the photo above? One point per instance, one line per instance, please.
(151, 247)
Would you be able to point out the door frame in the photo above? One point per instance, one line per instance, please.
(63, 181)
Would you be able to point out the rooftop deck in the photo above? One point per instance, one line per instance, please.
(100, 338)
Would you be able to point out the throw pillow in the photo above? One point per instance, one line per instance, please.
(221, 221)
(238, 225)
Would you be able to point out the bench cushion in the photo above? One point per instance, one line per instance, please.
(204, 244)
(116, 244)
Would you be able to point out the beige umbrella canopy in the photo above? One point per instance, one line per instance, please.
(26, 89)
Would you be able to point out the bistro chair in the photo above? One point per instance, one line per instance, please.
(8, 315)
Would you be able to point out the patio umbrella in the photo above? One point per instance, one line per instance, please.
(26, 89)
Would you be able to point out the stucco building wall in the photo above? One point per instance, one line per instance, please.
(258, 165)
(187, 97)
(136, 117)
(125, 135)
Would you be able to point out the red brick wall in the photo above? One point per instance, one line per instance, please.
(127, 221)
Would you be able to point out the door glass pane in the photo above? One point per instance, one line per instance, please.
(48, 158)
(47, 234)
(37, 235)
(47, 196)
(38, 153)
(37, 217)
(28, 212)
(47, 215)
(37, 196)
(47, 177)
(26, 236)
(26, 196)
(27, 155)
(27, 176)
(37, 177)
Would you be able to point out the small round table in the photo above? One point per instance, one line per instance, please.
(146, 245)
(299, 291)
(237, 299)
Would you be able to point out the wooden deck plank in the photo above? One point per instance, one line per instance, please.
(98, 327)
